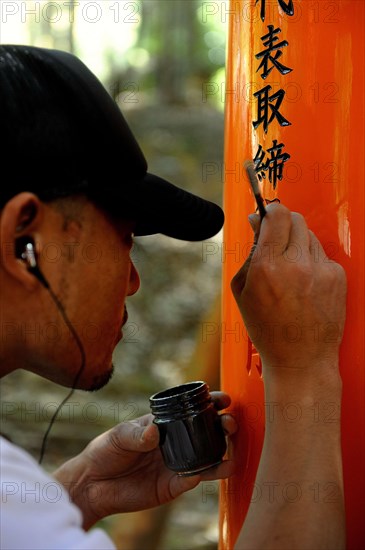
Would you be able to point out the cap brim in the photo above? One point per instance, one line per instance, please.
(158, 206)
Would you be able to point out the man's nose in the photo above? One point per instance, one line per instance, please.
(134, 281)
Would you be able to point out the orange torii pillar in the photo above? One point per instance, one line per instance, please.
(300, 115)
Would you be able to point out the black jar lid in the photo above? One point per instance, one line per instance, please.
(180, 398)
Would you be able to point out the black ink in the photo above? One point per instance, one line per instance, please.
(276, 162)
(191, 433)
(287, 7)
(259, 163)
(264, 101)
(273, 164)
(269, 40)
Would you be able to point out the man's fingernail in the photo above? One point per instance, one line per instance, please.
(254, 220)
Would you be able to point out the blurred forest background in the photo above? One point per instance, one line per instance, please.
(163, 62)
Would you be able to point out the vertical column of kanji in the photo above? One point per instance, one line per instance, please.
(299, 68)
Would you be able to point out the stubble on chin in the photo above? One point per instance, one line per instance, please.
(101, 380)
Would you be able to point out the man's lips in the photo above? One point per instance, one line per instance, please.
(125, 317)
(119, 336)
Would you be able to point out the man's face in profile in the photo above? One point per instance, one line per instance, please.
(85, 256)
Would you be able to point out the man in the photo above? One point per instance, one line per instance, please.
(78, 177)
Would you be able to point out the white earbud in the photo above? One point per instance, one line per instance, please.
(29, 255)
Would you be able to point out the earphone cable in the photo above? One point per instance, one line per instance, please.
(73, 331)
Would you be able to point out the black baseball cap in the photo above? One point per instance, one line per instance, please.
(61, 133)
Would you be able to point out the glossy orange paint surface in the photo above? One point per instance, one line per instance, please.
(324, 180)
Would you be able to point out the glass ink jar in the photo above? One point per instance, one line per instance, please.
(191, 434)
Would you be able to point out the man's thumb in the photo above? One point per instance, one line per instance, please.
(255, 223)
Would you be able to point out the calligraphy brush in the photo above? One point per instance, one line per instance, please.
(252, 176)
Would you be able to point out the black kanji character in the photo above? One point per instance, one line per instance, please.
(287, 7)
(269, 40)
(263, 103)
(259, 163)
(275, 163)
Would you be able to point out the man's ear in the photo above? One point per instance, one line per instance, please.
(21, 216)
